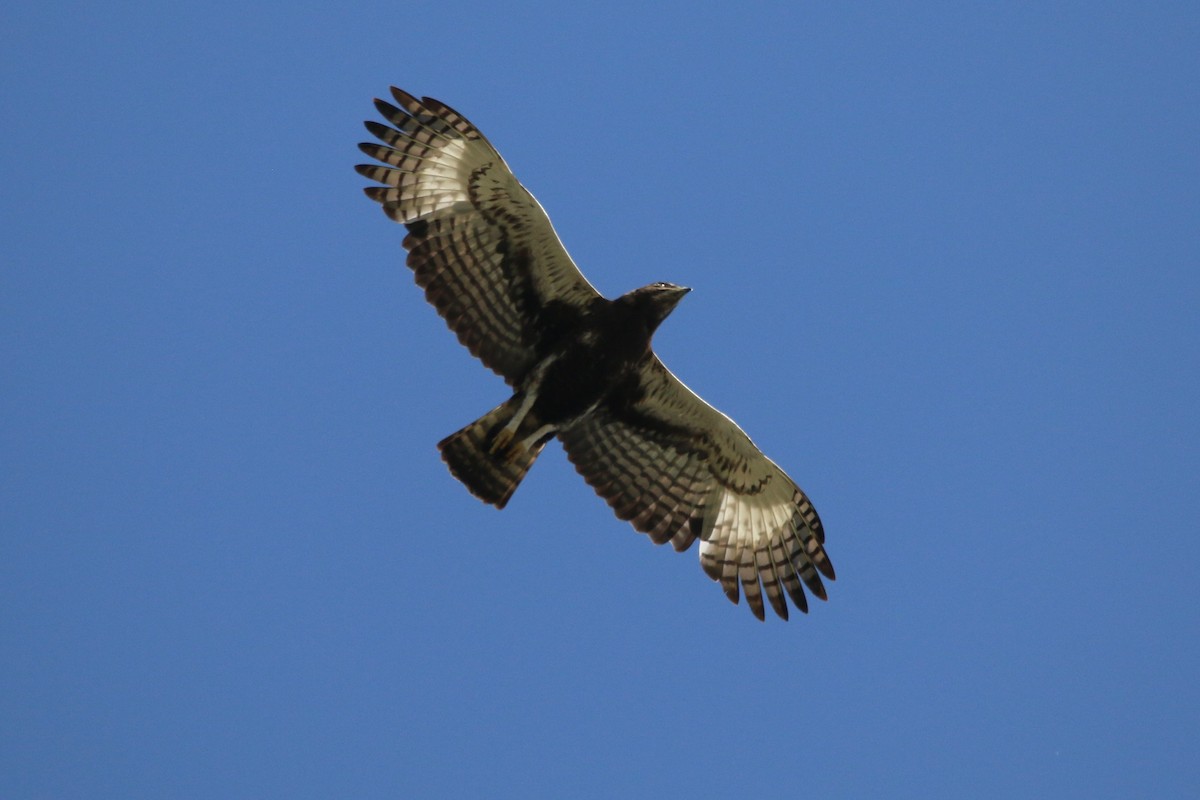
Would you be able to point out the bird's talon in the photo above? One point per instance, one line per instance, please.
(501, 442)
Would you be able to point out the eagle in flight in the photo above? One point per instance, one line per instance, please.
(581, 367)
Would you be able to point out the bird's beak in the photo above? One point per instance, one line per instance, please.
(680, 291)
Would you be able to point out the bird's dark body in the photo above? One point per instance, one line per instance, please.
(591, 354)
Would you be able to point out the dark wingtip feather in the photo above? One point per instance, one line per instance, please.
(825, 566)
(755, 602)
(779, 605)
(817, 589)
(731, 590)
(390, 111)
(797, 594)
(404, 98)
(378, 129)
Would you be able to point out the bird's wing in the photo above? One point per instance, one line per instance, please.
(481, 246)
(680, 470)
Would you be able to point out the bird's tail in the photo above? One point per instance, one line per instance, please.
(491, 459)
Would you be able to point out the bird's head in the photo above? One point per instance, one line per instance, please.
(658, 300)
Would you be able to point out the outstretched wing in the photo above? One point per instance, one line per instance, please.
(479, 243)
(680, 470)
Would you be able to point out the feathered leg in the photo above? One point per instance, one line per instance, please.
(492, 454)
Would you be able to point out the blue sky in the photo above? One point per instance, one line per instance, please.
(946, 262)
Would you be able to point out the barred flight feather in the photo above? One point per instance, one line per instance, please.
(480, 244)
(680, 470)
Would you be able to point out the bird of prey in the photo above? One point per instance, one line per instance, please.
(581, 367)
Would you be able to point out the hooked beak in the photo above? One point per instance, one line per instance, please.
(678, 294)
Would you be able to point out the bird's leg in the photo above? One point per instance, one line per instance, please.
(530, 444)
(538, 437)
(504, 437)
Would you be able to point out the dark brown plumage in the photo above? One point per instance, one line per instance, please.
(581, 367)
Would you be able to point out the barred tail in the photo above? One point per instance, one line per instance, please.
(489, 463)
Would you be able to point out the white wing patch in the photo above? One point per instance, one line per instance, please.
(752, 547)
